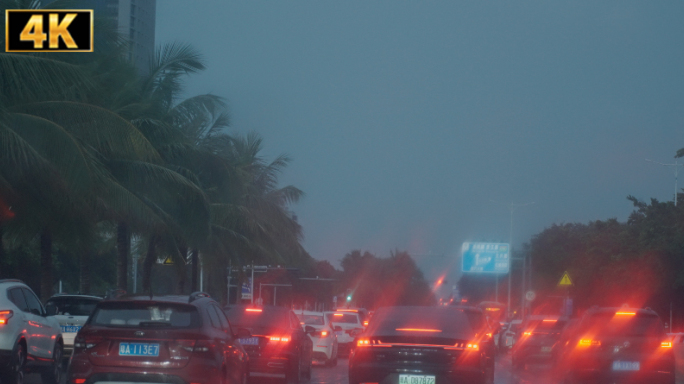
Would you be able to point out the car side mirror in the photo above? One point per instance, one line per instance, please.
(243, 333)
(338, 328)
(51, 310)
(309, 329)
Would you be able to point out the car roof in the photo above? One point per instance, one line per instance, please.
(67, 295)
(644, 311)
(180, 299)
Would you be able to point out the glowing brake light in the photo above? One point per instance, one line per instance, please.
(622, 313)
(5, 316)
(324, 333)
(254, 310)
(489, 334)
(527, 333)
(588, 343)
(365, 323)
(283, 339)
(418, 330)
(338, 315)
(666, 344)
(472, 346)
(549, 320)
(363, 343)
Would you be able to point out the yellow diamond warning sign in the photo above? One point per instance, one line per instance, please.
(565, 280)
(168, 261)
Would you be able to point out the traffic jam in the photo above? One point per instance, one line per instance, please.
(124, 338)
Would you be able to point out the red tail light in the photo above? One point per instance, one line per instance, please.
(363, 343)
(589, 343)
(5, 316)
(82, 342)
(204, 347)
(279, 339)
(666, 344)
(324, 333)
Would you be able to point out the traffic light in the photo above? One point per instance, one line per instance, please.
(349, 297)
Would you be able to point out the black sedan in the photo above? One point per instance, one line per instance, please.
(278, 346)
(423, 345)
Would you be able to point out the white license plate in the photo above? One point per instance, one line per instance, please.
(546, 349)
(626, 366)
(249, 341)
(70, 328)
(138, 349)
(416, 379)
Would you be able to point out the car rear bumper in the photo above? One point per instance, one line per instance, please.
(389, 373)
(191, 373)
(591, 376)
(269, 365)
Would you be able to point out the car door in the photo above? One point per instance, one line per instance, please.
(234, 354)
(41, 328)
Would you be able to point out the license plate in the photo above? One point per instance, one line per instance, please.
(626, 366)
(249, 341)
(138, 349)
(416, 379)
(70, 328)
(546, 349)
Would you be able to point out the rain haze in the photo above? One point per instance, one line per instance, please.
(412, 125)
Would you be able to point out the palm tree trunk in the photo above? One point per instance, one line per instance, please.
(45, 264)
(123, 244)
(148, 263)
(84, 273)
(195, 269)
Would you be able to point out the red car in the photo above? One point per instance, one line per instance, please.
(169, 339)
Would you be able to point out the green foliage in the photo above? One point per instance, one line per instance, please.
(376, 282)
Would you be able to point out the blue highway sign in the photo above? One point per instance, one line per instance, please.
(485, 257)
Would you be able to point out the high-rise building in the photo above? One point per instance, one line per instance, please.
(136, 22)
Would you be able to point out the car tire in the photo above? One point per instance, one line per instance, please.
(15, 371)
(54, 375)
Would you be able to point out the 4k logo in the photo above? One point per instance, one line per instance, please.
(48, 30)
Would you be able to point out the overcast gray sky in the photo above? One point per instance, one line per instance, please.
(406, 118)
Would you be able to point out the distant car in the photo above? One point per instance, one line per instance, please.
(159, 339)
(324, 339)
(616, 345)
(30, 339)
(71, 311)
(539, 335)
(278, 346)
(426, 345)
(364, 314)
(350, 326)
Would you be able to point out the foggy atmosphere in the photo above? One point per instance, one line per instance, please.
(377, 192)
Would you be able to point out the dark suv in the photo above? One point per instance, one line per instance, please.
(612, 345)
(278, 346)
(539, 336)
(167, 339)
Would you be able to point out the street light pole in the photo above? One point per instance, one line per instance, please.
(676, 166)
(513, 206)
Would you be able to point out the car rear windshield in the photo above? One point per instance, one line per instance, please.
(146, 315)
(73, 306)
(273, 317)
(311, 319)
(343, 318)
(446, 322)
(639, 324)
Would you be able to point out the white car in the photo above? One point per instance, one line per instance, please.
(324, 339)
(350, 326)
(71, 311)
(30, 340)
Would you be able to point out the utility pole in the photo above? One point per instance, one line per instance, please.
(676, 166)
(513, 206)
